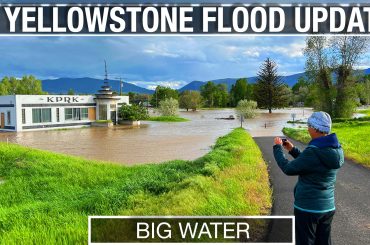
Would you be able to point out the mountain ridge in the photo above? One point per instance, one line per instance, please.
(87, 85)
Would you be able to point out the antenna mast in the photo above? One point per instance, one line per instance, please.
(106, 72)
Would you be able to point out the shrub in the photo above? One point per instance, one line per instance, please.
(168, 107)
(133, 112)
(247, 108)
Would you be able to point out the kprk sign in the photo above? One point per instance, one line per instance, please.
(56, 99)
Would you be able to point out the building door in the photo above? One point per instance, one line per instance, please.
(92, 114)
(113, 117)
(2, 120)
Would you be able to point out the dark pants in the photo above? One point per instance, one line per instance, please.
(313, 228)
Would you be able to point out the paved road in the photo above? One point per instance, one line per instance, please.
(352, 218)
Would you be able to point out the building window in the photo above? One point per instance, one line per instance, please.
(102, 112)
(8, 117)
(58, 115)
(68, 114)
(23, 116)
(76, 114)
(84, 114)
(41, 115)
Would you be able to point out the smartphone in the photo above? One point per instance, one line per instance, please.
(284, 141)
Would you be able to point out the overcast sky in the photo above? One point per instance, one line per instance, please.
(149, 61)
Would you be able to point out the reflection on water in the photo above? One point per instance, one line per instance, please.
(153, 141)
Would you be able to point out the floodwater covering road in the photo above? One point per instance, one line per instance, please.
(153, 142)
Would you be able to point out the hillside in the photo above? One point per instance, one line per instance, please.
(290, 80)
(87, 85)
(195, 85)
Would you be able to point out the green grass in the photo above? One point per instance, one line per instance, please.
(46, 197)
(366, 112)
(353, 136)
(168, 119)
(103, 121)
(215, 108)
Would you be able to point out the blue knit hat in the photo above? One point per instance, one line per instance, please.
(320, 121)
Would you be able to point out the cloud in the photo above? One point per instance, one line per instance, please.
(153, 84)
(251, 53)
(150, 61)
(158, 50)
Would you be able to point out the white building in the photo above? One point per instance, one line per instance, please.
(35, 112)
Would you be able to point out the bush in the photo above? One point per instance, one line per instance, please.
(133, 112)
(247, 108)
(168, 107)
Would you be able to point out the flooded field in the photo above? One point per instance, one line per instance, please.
(153, 141)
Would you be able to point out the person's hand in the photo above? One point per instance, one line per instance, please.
(288, 145)
(278, 141)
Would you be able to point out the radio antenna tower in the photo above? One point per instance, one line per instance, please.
(106, 72)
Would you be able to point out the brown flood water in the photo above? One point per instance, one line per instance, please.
(153, 142)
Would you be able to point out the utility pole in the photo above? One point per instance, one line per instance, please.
(120, 85)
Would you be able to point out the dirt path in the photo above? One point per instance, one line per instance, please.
(352, 219)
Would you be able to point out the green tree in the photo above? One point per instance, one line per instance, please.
(338, 54)
(162, 93)
(25, 85)
(133, 112)
(190, 99)
(215, 95)
(208, 91)
(140, 99)
(363, 89)
(71, 92)
(221, 96)
(270, 91)
(319, 72)
(347, 51)
(238, 91)
(169, 107)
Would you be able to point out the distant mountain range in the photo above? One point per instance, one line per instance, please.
(195, 85)
(290, 80)
(87, 85)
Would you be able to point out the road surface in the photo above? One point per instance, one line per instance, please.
(351, 224)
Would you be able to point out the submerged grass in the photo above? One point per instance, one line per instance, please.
(353, 136)
(46, 197)
(168, 119)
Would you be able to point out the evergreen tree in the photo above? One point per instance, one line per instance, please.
(71, 91)
(270, 91)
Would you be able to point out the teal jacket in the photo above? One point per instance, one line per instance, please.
(317, 168)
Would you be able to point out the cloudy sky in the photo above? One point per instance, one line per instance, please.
(149, 61)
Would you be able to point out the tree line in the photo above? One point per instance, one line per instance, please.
(269, 92)
(24, 85)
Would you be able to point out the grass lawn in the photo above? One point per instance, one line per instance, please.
(168, 119)
(366, 112)
(45, 197)
(354, 137)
